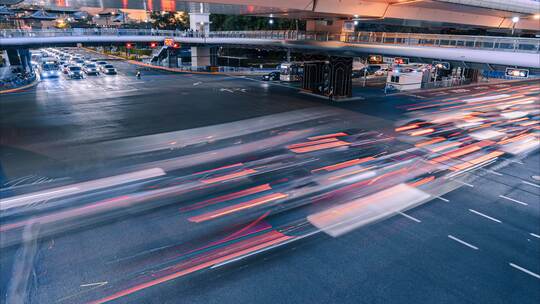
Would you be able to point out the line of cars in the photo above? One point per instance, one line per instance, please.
(71, 64)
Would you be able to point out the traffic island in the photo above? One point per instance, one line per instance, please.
(22, 87)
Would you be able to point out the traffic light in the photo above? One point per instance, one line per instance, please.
(129, 45)
(399, 60)
(153, 45)
(176, 45)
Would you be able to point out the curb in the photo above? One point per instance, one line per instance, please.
(24, 87)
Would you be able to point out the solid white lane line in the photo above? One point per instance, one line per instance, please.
(443, 199)
(525, 270)
(410, 217)
(486, 216)
(531, 184)
(535, 235)
(513, 200)
(462, 242)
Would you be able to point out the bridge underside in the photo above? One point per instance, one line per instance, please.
(490, 14)
(460, 56)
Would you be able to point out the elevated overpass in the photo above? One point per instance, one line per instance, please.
(466, 50)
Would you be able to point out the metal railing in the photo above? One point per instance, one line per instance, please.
(513, 44)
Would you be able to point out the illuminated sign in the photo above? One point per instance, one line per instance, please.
(169, 42)
(520, 73)
(399, 60)
(375, 59)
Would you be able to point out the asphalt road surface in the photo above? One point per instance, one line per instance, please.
(193, 188)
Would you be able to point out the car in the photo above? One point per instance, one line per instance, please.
(271, 76)
(49, 72)
(79, 62)
(108, 69)
(91, 69)
(75, 72)
(101, 63)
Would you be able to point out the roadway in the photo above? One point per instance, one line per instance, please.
(211, 144)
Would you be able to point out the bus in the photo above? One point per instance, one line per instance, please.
(49, 67)
(291, 71)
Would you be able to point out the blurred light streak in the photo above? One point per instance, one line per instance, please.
(228, 176)
(486, 98)
(351, 173)
(477, 161)
(422, 132)
(422, 181)
(328, 135)
(238, 207)
(460, 152)
(220, 168)
(346, 217)
(215, 257)
(407, 127)
(430, 142)
(321, 147)
(227, 197)
(311, 143)
(81, 187)
(345, 164)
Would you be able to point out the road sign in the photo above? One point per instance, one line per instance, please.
(519, 73)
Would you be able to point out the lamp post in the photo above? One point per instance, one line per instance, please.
(515, 20)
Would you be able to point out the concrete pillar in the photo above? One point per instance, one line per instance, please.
(26, 59)
(200, 57)
(6, 57)
(199, 23)
(341, 76)
(313, 79)
(13, 57)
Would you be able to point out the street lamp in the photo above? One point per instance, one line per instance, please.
(515, 20)
(271, 21)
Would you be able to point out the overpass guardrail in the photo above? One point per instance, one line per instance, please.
(511, 44)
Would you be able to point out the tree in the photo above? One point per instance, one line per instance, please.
(169, 20)
(221, 22)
